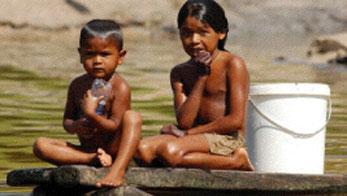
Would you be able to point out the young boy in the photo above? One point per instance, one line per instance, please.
(116, 132)
(210, 96)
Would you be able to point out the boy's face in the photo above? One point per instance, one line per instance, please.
(100, 57)
(196, 35)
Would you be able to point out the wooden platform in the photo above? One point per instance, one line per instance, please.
(167, 181)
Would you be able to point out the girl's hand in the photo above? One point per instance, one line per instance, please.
(172, 130)
(203, 60)
(89, 103)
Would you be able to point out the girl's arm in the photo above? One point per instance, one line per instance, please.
(186, 108)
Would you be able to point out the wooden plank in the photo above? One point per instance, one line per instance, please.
(151, 179)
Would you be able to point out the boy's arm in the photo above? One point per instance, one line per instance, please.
(238, 79)
(121, 103)
(68, 112)
(186, 108)
(71, 123)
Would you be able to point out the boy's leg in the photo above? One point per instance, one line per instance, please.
(193, 152)
(146, 151)
(130, 137)
(59, 152)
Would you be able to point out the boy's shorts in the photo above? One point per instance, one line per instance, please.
(224, 144)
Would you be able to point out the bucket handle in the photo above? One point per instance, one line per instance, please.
(290, 131)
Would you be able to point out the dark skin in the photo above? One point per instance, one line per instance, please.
(210, 95)
(204, 89)
(109, 139)
(80, 117)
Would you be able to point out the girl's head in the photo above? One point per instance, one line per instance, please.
(206, 11)
(103, 29)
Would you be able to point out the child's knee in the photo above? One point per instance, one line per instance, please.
(39, 142)
(143, 147)
(39, 145)
(170, 154)
(132, 117)
(144, 151)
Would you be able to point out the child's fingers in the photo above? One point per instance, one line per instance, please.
(165, 129)
(100, 98)
(207, 60)
(88, 93)
(204, 54)
(203, 57)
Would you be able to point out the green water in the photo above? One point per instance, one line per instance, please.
(32, 103)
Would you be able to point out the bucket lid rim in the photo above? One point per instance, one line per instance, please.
(289, 89)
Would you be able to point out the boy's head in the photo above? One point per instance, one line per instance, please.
(101, 48)
(207, 11)
(103, 29)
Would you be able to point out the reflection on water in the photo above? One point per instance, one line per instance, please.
(32, 103)
(5, 190)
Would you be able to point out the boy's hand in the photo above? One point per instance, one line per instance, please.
(203, 60)
(172, 130)
(89, 103)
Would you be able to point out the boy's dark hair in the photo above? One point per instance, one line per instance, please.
(104, 29)
(207, 11)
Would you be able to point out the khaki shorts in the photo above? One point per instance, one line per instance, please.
(224, 144)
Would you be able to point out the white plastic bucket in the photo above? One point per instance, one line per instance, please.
(286, 127)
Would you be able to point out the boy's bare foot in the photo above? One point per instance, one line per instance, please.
(104, 158)
(241, 153)
(112, 179)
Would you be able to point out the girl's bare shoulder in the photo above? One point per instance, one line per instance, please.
(231, 58)
(233, 61)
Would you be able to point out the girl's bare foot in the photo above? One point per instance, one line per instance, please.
(104, 158)
(241, 153)
(112, 179)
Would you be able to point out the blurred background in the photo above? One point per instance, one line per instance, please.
(280, 41)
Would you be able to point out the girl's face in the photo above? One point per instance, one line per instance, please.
(196, 35)
(100, 57)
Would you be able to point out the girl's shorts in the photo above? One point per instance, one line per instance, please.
(224, 144)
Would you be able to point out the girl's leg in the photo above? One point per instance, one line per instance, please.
(60, 152)
(193, 152)
(146, 151)
(130, 137)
